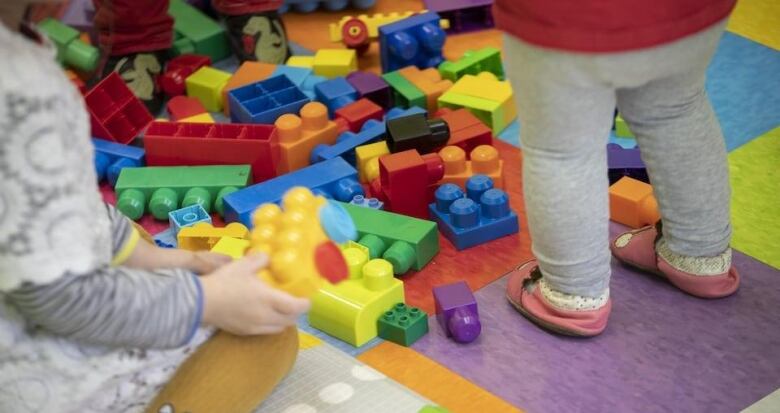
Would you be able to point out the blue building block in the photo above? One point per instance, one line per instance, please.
(482, 215)
(335, 93)
(265, 101)
(417, 40)
(308, 6)
(374, 203)
(302, 77)
(166, 239)
(187, 217)
(111, 157)
(333, 178)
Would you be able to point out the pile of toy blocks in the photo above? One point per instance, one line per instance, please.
(408, 155)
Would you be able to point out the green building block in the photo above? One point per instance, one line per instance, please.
(489, 99)
(167, 188)
(474, 62)
(433, 409)
(402, 324)
(194, 32)
(405, 94)
(71, 51)
(621, 128)
(407, 242)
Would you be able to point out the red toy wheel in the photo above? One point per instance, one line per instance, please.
(355, 33)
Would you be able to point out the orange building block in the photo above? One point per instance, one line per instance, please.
(631, 203)
(466, 131)
(248, 72)
(484, 160)
(299, 135)
(429, 82)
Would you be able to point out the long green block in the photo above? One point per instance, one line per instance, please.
(403, 324)
(407, 242)
(196, 32)
(487, 59)
(166, 188)
(405, 94)
(71, 51)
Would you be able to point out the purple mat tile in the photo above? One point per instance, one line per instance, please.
(663, 351)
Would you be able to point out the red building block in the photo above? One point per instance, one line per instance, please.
(180, 107)
(353, 116)
(192, 144)
(178, 69)
(407, 181)
(114, 112)
(466, 131)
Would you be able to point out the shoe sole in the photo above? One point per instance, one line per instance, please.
(545, 324)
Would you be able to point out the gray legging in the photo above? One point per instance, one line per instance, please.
(566, 103)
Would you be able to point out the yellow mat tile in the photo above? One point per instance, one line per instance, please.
(758, 20)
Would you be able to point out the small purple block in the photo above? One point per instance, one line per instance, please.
(456, 311)
(625, 162)
(79, 14)
(372, 87)
(464, 15)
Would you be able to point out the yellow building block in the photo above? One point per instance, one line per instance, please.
(349, 311)
(332, 63)
(203, 236)
(201, 118)
(367, 157)
(488, 98)
(356, 255)
(206, 85)
(303, 257)
(232, 247)
(301, 61)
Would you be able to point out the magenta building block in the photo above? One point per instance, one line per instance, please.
(372, 87)
(464, 15)
(625, 162)
(456, 311)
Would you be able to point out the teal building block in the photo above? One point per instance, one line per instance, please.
(403, 324)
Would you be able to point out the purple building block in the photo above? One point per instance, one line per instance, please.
(464, 15)
(372, 87)
(456, 311)
(79, 15)
(625, 162)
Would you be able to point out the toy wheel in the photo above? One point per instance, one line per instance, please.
(355, 33)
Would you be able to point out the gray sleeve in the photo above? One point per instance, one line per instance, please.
(117, 306)
(121, 229)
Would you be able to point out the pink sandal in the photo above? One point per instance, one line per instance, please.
(523, 293)
(637, 248)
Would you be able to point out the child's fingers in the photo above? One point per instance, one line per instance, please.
(249, 264)
(289, 305)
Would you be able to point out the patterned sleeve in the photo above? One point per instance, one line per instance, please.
(124, 236)
(117, 306)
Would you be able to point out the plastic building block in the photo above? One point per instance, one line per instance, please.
(190, 144)
(433, 409)
(115, 113)
(358, 32)
(71, 51)
(181, 107)
(406, 242)
(330, 63)
(300, 241)
(360, 200)
(631, 203)
(484, 160)
(166, 188)
(335, 93)
(406, 181)
(372, 87)
(352, 117)
(349, 310)
(621, 128)
(111, 158)
(404, 93)
(299, 135)
(463, 15)
(187, 217)
(367, 158)
(466, 131)
(202, 118)
(203, 236)
(482, 216)
(489, 99)
(416, 132)
(206, 85)
(79, 14)
(166, 239)
(457, 312)
(301, 61)
(194, 32)
(334, 178)
(347, 142)
(303, 78)
(265, 101)
(308, 6)
(474, 62)
(355, 255)
(249, 72)
(403, 325)
(178, 69)
(233, 247)
(417, 40)
(625, 162)
(427, 81)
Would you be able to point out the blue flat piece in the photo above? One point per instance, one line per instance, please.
(187, 217)
(111, 157)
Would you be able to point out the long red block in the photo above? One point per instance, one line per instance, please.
(114, 111)
(353, 116)
(466, 131)
(181, 143)
(407, 181)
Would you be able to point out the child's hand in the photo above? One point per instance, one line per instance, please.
(237, 301)
(204, 262)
